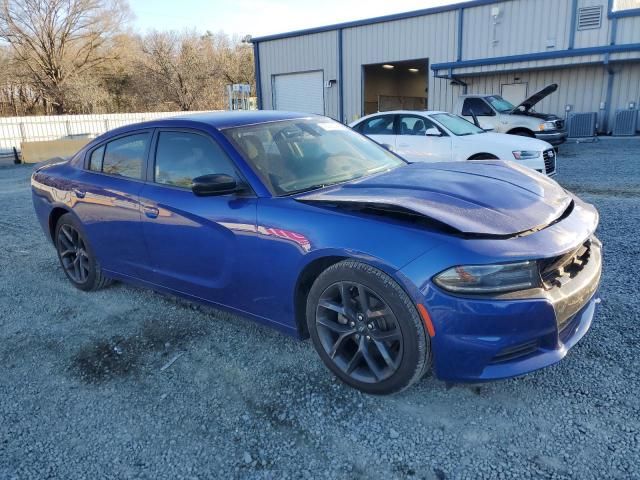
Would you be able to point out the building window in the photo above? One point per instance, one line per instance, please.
(589, 17)
(621, 5)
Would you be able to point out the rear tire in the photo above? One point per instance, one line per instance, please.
(366, 329)
(76, 255)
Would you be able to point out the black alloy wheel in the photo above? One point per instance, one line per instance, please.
(366, 329)
(359, 332)
(73, 254)
(76, 256)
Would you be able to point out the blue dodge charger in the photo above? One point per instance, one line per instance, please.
(476, 270)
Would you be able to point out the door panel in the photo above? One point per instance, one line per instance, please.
(194, 243)
(413, 144)
(109, 205)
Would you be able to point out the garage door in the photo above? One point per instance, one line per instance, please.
(299, 92)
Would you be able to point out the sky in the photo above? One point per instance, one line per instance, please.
(262, 17)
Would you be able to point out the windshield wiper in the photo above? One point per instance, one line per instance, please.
(311, 187)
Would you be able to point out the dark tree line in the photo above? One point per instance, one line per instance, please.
(77, 56)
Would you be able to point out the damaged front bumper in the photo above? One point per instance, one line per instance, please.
(478, 339)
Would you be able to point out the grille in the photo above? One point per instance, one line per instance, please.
(626, 122)
(582, 124)
(559, 124)
(513, 353)
(549, 161)
(589, 17)
(557, 271)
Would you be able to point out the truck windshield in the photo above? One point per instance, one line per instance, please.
(456, 125)
(500, 104)
(293, 156)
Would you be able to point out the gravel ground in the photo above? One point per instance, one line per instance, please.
(83, 391)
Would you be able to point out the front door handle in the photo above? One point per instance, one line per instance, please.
(151, 212)
(78, 193)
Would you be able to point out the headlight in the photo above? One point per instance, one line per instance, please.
(489, 278)
(547, 126)
(525, 154)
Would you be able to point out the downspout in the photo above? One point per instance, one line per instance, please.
(256, 62)
(340, 79)
(610, 78)
(572, 32)
(460, 29)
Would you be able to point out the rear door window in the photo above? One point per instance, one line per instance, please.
(125, 156)
(382, 125)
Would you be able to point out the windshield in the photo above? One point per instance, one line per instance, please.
(500, 104)
(456, 125)
(293, 156)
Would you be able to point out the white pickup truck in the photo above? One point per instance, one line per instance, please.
(496, 113)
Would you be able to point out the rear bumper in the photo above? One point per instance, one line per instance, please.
(554, 138)
(480, 339)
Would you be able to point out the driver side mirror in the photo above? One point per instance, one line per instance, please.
(213, 184)
(433, 132)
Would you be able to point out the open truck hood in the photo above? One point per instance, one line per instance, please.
(528, 103)
(490, 198)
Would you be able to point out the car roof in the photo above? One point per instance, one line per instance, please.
(396, 112)
(218, 120)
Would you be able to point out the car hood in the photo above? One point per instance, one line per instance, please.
(510, 142)
(528, 103)
(491, 198)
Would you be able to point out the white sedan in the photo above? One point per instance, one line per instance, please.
(443, 137)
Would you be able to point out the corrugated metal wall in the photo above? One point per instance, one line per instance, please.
(523, 27)
(431, 37)
(301, 54)
(626, 86)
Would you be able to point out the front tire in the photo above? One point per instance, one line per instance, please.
(483, 156)
(76, 256)
(366, 329)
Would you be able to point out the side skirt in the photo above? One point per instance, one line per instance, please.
(286, 329)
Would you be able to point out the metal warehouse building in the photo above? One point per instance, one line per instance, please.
(427, 58)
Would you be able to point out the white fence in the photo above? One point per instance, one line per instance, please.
(15, 130)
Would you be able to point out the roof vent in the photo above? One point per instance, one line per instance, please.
(589, 17)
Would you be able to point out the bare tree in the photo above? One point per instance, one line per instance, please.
(179, 64)
(59, 41)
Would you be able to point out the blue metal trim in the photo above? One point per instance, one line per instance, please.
(572, 31)
(631, 12)
(340, 79)
(538, 56)
(256, 65)
(614, 31)
(374, 20)
(460, 30)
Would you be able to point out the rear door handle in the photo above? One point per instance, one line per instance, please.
(79, 193)
(151, 212)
